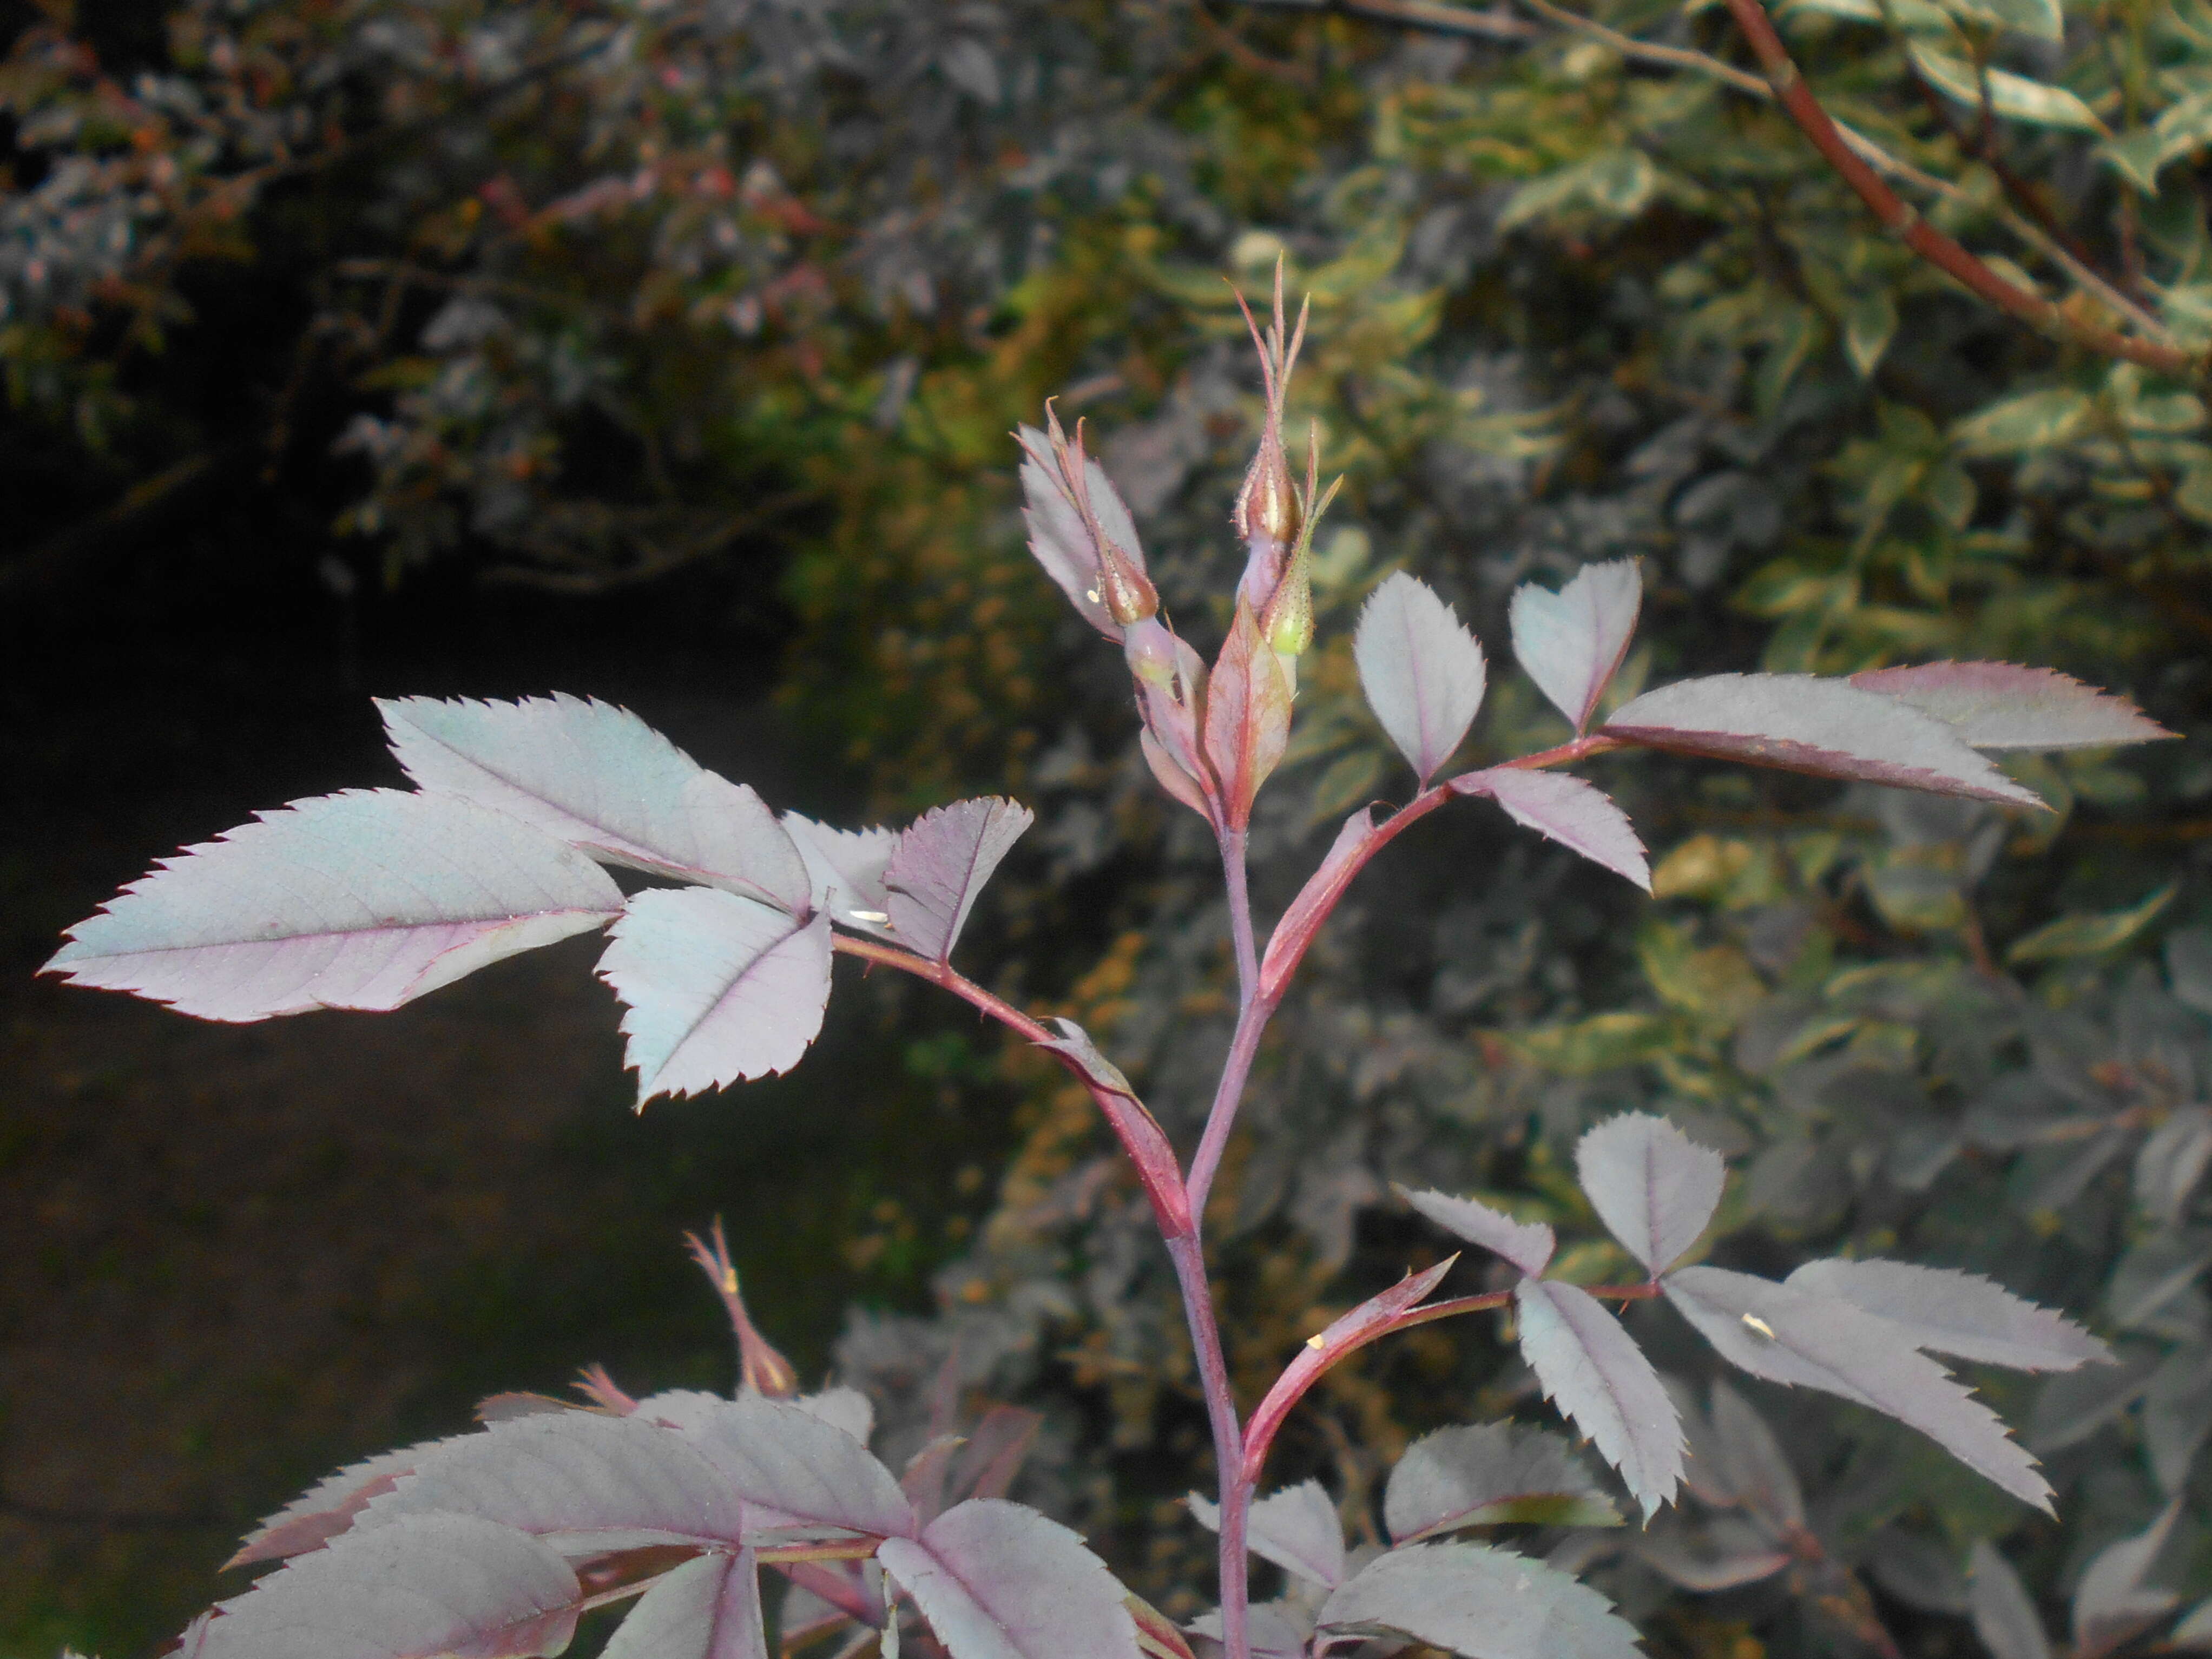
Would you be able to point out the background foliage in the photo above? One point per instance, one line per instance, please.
(582, 298)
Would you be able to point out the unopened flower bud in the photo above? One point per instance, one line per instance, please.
(1268, 504)
(1150, 649)
(1269, 512)
(1129, 594)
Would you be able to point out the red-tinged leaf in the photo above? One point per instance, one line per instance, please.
(1372, 1318)
(1827, 727)
(329, 1506)
(1786, 1335)
(1579, 815)
(2000, 705)
(2112, 1603)
(367, 899)
(602, 780)
(1247, 716)
(1653, 1186)
(1594, 1372)
(1488, 1474)
(795, 1469)
(923, 1480)
(719, 987)
(1571, 643)
(1058, 536)
(1156, 1633)
(1483, 1603)
(1298, 1528)
(429, 1585)
(994, 1453)
(1726, 1553)
(1173, 739)
(1287, 945)
(709, 1608)
(2003, 1613)
(1138, 1130)
(998, 1581)
(1963, 1314)
(590, 1481)
(943, 860)
(1173, 777)
(1527, 1244)
(1422, 671)
(845, 871)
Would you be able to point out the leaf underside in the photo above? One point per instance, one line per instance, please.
(1653, 1186)
(1594, 1372)
(1488, 1473)
(941, 863)
(1527, 1244)
(1422, 671)
(1577, 814)
(1571, 643)
(996, 1580)
(1482, 1602)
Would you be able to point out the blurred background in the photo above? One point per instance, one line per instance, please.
(666, 352)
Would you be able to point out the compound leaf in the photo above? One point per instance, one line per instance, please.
(1298, 1528)
(1594, 1372)
(707, 1608)
(1423, 672)
(1527, 1244)
(1803, 724)
(941, 863)
(997, 1580)
(719, 987)
(2004, 1617)
(2001, 705)
(602, 780)
(1787, 1335)
(1488, 1474)
(1941, 1310)
(431, 1584)
(1578, 815)
(1483, 1603)
(794, 1467)
(366, 899)
(1571, 643)
(845, 871)
(1653, 1186)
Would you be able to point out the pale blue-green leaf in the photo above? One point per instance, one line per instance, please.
(795, 1468)
(942, 861)
(2013, 96)
(2001, 705)
(2112, 1603)
(707, 1608)
(2024, 423)
(1579, 815)
(600, 778)
(1422, 671)
(1480, 1474)
(1653, 1186)
(1483, 1603)
(1941, 1310)
(996, 1580)
(1297, 1529)
(845, 870)
(1527, 1244)
(1571, 643)
(2004, 1615)
(367, 899)
(1787, 1336)
(1594, 1373)
(719, 987)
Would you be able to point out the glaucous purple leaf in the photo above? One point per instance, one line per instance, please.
(841, 1408)
(1803, 724)
(996, 1580)
(794, 1468)
(1578, 814)
(996, 1448)
(718, 988)
(602, 780)
(1057, 538)
(1941, 1310)
(845, 871)
(429, 1585)
(329, 1506)
(1297, 1529)
(1422, 671)
(1653, 1186)
(1571, 643)
(923, 1479)
(1286, 946)
(2112, 1603)
(2001, 705)
(366, 899)
(707, 1608)
(585, 1480)
(941, 863)
(1724, 1552)
(1277, 1630)
(1488, 1474)
(2004, 1614)
(1483, 1603)
(1594, 1372)
(1527, 1244)
(1786, 1335)
(1757, 1469)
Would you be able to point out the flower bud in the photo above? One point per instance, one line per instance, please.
(1129, 594)
(1151, 651)
(1269, 512)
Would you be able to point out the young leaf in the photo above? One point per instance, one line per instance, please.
(2112, 1603)
(1594, 1373)
(1579, 815)
(602, 780)
(1941, 1311)
(1485, 1603)
(366, 899)
(1826, 727)
(942, 861)
(1247, 716)
(998, 1581)
(1527, 1244)
(1787, 1336)
(1286, 946)
(2000, 705)
(587, 1480)
(1758, 1469)
(707, 1608)
(1343, 1334)
(1057, 538)
(793, 1468)
(1297, 1529)
(1571, 643)
(994, 1453)
(1422, 671)
(719, 987)
(1653, 1186)
(329, 1507)
(2004, 1616)
(431, 1584)
(845, 871)
(1488, 1474)
(1140, 1132)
